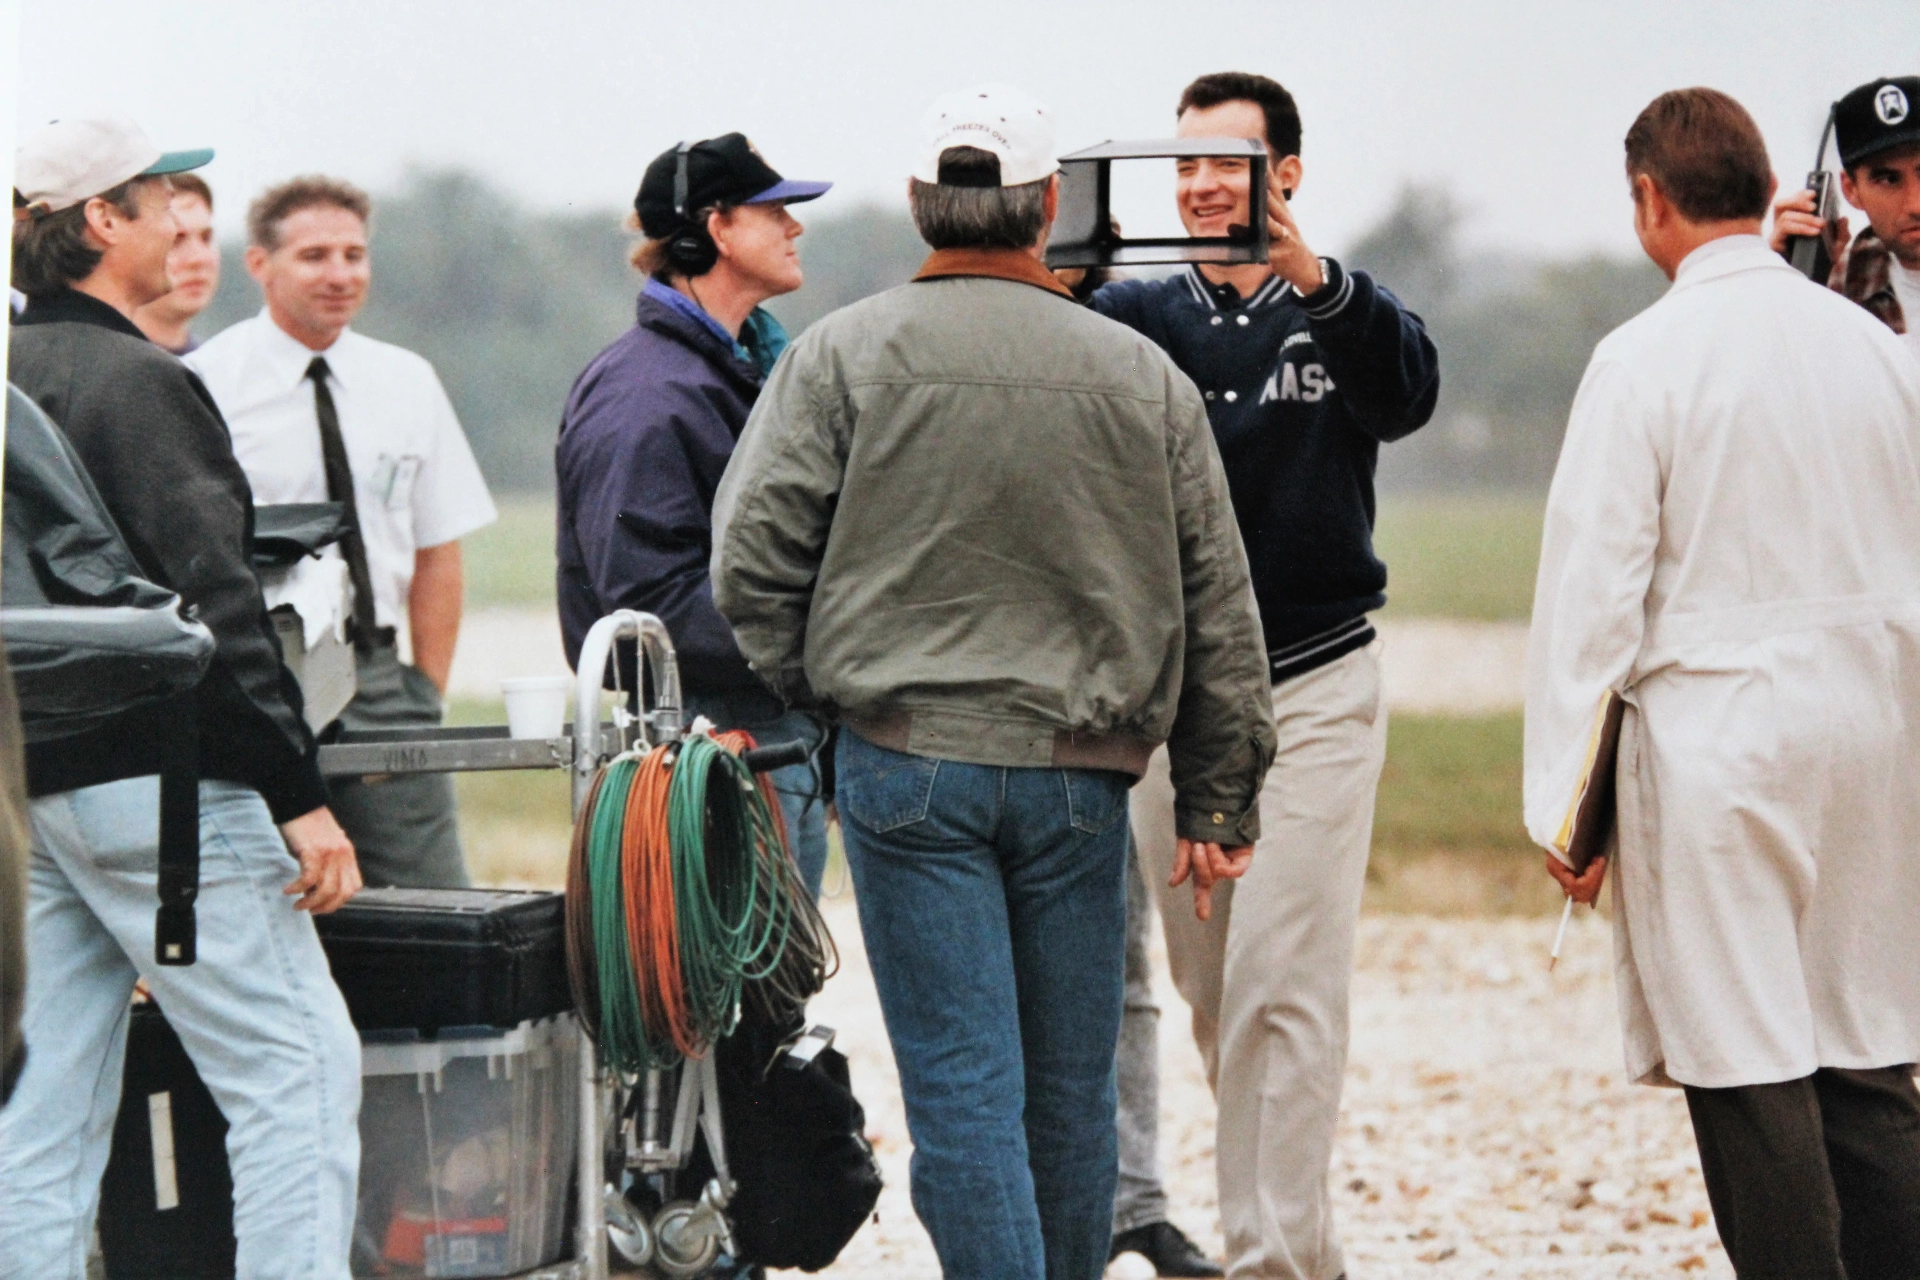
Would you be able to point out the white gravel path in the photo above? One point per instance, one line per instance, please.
(1486, 1130)
(1431, 664)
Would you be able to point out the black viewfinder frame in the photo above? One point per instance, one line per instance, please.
(1083, 234)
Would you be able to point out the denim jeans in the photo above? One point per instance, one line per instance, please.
(1141, 1198)
(798, 785)
(258, 1013)
(993, 905)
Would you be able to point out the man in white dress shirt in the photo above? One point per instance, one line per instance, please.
(1733, 544)
(309, 401)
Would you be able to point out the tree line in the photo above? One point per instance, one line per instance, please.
(510, 304)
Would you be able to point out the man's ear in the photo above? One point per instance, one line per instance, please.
(257, 263)
(103, 222)
(1050, 203)
(1850, 190)
(1289, 171)
(719, 225)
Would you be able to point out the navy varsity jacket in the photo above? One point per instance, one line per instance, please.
(1301, 393)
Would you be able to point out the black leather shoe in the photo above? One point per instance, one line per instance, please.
(1167, 1248)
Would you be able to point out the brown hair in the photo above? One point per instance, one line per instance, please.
(1277, 108)
(277, 204)
(1704, 152)
(192, 184)
(51, 251)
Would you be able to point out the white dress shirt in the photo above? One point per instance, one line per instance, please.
(1906, 287)
(1733, 542)
(415, 480)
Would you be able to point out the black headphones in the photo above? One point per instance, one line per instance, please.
(691, 251)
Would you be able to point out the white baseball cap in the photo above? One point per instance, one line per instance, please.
(993, 117)
(71, 161)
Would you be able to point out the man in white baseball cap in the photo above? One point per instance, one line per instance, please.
(257, 1010)
(1019, 578)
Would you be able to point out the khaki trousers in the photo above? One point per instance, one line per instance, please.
(1267, 977)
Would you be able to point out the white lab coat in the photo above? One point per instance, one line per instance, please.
(1733, 541)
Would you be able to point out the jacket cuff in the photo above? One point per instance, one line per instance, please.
(298, 793)
(1218, 826)
(1331, 298)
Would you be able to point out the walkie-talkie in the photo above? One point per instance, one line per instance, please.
(1809, 254)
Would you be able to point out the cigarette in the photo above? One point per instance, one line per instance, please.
(1560, 935)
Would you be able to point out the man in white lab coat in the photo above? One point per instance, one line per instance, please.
(1733, 543)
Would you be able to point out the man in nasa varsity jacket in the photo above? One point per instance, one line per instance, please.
(1306, 369)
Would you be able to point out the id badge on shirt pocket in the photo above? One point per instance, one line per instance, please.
(393, 479)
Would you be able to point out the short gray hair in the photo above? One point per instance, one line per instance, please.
(977, 217)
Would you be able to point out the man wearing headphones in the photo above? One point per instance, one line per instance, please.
(652, 421)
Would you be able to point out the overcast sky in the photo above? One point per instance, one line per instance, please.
(1518, 105)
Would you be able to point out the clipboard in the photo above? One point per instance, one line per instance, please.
(1590, 820)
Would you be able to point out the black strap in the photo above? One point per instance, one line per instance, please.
(333, 453)
(174, 933)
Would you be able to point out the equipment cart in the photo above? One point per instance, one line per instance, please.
(647, 1127)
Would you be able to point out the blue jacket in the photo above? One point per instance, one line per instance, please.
(1301, 394)
(648, 429)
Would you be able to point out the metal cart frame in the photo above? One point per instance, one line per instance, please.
(590, 744)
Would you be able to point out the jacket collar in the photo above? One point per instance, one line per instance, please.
(70, 306)
(995, 264)
(1214, 297)
(700, 337)
(1725, 256)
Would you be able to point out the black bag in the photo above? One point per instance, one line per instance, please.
(430, 959)
(805, 1175)
(166, 1207)
(89, 637)
(284, 533)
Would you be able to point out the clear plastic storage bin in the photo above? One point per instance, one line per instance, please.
(467, 1152)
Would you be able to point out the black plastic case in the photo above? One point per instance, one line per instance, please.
(431, 960)
(166, 1207)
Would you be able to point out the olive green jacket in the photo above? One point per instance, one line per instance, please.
(976, 521)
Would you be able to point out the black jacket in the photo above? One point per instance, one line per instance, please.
(160, 456)
(649, 428)
(1301, 394)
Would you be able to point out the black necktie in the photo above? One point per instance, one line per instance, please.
(333, 453)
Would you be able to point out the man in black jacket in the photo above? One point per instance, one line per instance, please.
(1306, 370)
(258, 1012)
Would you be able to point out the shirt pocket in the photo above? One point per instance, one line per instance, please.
(394, 476)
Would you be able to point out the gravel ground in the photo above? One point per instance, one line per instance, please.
(1486, 1130)
(1434, 665)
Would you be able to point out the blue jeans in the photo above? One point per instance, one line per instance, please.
(258, 1013)
(796, 785)
(993, 903)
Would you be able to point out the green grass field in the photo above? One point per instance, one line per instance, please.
(1454, 556)
(1447, 836)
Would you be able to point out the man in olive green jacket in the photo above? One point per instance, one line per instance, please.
(988, 531)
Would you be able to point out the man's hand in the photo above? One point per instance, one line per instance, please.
(1070, 277)
(1208, 864)
(1584, 888)
(1793, 216)
(329, 872)
(1287, 253)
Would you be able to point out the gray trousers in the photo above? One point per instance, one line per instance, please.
(1139, 1199)
(1816, 1178)
(402, 825)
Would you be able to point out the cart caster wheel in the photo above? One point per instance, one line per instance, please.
(628, 1234)
(684, 1242)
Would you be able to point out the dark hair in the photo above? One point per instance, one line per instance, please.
(1275, 103)
(51, 251)
(977, 217)
(192, 184)
(277, 204)
(1704, 152)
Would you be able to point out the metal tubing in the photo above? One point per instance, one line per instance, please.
(591, 1245)
(656, 647)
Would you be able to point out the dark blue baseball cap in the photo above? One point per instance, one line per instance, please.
(726, 170)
